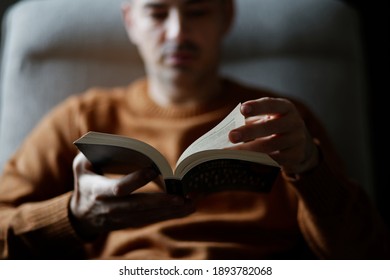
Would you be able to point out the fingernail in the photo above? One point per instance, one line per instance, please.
(246, 109)
(235, 136)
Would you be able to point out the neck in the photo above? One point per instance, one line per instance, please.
(171, 94)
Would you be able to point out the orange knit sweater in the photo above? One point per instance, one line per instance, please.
(318, 215)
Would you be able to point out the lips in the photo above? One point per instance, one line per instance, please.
(180, 54)
(180, 58)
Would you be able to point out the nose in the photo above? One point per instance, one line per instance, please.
(175, 26)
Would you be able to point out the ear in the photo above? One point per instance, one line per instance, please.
(229, 7)
(127, 18)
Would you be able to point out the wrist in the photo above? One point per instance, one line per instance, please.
(309, 164)
(80, 229)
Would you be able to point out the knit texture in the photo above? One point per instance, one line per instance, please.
(310, 216)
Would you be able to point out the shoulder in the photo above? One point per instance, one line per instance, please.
(241, 92)
(246, 91)
(107, 94)
(101, 97)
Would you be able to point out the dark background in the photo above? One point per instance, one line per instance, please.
(374, 19)
(375, 28)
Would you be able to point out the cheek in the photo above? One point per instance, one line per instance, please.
(210, 42)
(144, 31)
(150, 48)
(148, 40)
(208, 34)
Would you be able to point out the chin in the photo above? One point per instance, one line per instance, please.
(181, 77)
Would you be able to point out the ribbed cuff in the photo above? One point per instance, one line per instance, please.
(46, 229)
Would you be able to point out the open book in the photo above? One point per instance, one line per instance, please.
(206, 166)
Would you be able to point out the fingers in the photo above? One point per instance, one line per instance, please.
(265, 117)
(132, 182)
(135, 210)
(271, 144)
(264, 128)
(100, 204)
(102, 186)
(266, 105)
(140, 209)
(275, 127)
(81, 164)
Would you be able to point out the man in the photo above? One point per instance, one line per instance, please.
(53, 204)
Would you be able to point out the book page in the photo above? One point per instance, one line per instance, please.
(217, 138)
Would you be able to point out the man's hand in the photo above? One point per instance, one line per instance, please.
(100, 204)
(274, 126)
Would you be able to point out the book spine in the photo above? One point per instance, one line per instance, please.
(173, 186)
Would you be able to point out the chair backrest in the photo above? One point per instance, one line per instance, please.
(302, 48)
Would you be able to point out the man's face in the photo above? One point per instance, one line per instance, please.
(179, 40)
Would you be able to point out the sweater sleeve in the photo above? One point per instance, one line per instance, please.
(39, 230)
(335, 214)
(35, 189)
(338, 219)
